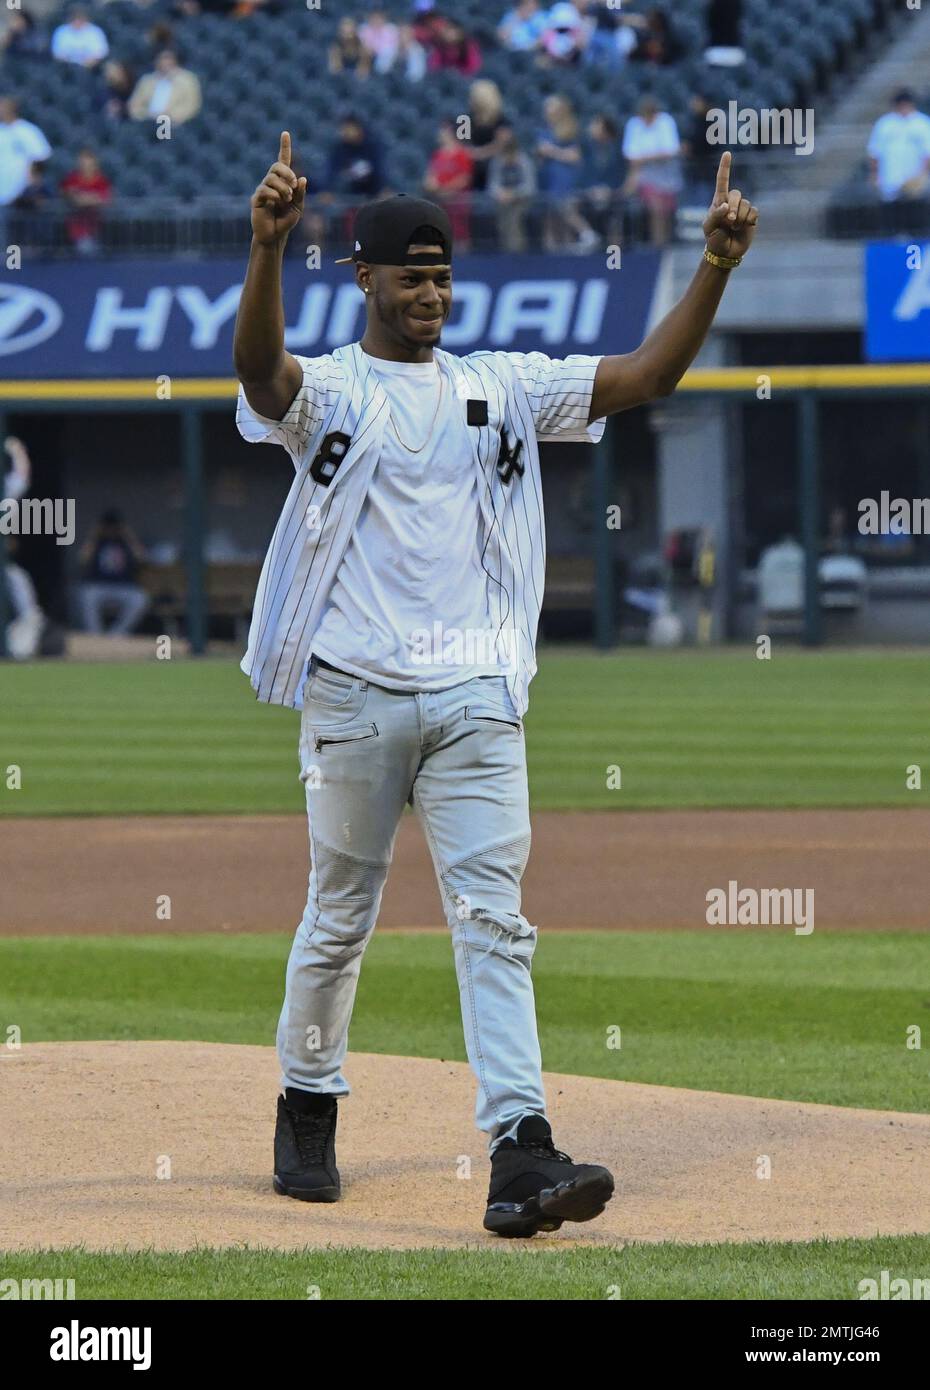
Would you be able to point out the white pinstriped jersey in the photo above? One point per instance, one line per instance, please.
(528, 396)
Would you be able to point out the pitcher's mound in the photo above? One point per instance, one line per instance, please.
(88, 1128)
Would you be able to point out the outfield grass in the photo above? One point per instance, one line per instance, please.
(820, 1018)
(687, 728)
(759, 1269)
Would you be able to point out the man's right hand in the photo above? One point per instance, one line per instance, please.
(278, 201)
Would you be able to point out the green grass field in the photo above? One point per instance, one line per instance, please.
(815, 1019)
(818, 1018)
(758, 1269)
(687, 728)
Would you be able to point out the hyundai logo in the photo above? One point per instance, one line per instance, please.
(27, 318)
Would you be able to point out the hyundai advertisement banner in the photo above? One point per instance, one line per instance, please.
(897, 295)
(146, 318)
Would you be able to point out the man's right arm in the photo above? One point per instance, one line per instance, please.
(270, 376)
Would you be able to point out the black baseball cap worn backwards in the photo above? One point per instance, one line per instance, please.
(385, 229)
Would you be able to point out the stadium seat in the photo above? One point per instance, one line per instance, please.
(262, 71)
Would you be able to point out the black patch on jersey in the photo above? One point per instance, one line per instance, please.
(329, 456)
(477, 412)
(508, 460)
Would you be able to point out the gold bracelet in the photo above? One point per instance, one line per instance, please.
(722, 262)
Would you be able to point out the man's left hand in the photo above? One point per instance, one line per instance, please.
(730, 225)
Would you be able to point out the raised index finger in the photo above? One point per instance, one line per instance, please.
(284, 150)
(722, 191)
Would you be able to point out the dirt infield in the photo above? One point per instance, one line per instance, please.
(687, 1162)
(869, 870)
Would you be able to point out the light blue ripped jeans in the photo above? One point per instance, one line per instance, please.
(457, 756)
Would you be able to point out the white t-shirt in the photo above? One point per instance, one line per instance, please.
(660, 137)
(409, 606)
(21, 145)
(642, 141)
(161, 96)
(901, 144)
(381, 40)
(85, 43)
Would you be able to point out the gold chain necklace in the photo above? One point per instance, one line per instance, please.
(403, 442)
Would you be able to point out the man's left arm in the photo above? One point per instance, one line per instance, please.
(661, 360)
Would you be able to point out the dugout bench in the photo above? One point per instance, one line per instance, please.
(229, 591)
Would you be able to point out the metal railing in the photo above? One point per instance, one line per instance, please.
(198, 229)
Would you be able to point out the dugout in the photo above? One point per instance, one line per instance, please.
(211, 501)
(205, 503)
(754, 452)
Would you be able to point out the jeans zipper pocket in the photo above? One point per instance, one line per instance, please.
(471, 712)
(349, 736)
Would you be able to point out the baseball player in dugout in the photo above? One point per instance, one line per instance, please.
(397, 609)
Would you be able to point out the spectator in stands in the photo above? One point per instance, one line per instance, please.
(79, 41)
(702, 159)
(381, 38)
(116, 90)
(38, 191)
(489, 126)
(451, 48)
(355, 166)
(655, 42)
(22, 145)
(563, 38)
(22, 37)
(511, 184)
(560, 157)
(899, 150)
(110, 557)
(652, 148)
(603, 177)
(170, 91)
(411, 55)
(523, 26)
(427, 23)
(159, 36)
(88, 190)
(348, 53)
(448, 181)
(612, 37)
(354, 174)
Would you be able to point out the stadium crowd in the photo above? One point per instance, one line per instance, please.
(576, 183)
(584, 174)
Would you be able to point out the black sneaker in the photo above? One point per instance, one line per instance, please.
(305, 1150)
(534, 1187)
